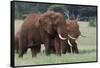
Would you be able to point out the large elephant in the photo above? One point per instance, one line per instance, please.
(69, 44)
(41, 29)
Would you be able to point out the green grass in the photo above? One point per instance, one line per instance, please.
(87, 49)
(53, 59)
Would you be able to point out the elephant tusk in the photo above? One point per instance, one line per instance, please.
(71, 37)
(69, 43)
(61, 37)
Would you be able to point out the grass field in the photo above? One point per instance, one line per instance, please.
(87, 49)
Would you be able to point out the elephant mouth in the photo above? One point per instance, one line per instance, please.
(72, 37)
(62, 38)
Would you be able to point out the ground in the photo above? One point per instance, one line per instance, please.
(87, 49)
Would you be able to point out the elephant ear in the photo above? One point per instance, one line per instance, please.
(46, 24)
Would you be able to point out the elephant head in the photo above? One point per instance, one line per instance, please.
(73, 29)
(54, 22)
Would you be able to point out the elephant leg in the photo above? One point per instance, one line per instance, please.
(64, 47)
(69, 48)
(33, 50)
(22, 52)
(23, 43)
(47, 49)
(52, 47)
(47, 44)
(57, 45)
(75, 48)
(38, 48)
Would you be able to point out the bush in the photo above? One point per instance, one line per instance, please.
(18, 15)
(92, 21)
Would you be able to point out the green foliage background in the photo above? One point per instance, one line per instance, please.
(86, 13)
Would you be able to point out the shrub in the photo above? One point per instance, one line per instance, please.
(92, 21)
